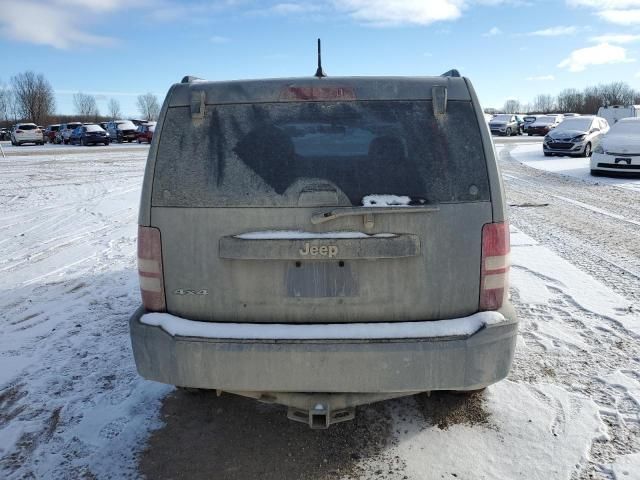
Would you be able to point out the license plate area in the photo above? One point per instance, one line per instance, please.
(321, 279)
(626, 161)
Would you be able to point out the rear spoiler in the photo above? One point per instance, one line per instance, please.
(451, 73)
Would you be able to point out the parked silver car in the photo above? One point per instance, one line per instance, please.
(323, 243)
(505, 124)
(575, 136)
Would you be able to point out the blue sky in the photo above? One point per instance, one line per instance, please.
(508, 48)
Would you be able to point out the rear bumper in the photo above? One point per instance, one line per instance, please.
(460, 362)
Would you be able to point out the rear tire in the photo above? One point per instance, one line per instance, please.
(547, 154)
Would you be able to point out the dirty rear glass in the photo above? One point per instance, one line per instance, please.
(271, 154)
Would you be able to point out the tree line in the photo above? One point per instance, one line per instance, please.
(571, 100)
(29, 97)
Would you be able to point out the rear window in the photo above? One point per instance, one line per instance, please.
(126, 126)
(26, 126)
(94, 128)
(267, 154)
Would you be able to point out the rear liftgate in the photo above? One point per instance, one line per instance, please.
(320, 271)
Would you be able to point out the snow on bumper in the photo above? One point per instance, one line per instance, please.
(457, 354)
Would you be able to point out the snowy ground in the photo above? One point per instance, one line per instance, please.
(532, 156)
(72, 405)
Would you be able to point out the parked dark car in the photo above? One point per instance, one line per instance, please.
(144, 132)
(89, 135)
(5, 134)
(544, 124)
(528, 120)
(50, 133)
(122, 131)
(505, 124)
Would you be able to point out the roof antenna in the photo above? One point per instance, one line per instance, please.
(319, 72)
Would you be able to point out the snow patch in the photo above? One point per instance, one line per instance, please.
(627, 467)
(300, 235)
(177, 326)
(385, 201)
(557, 273)
(539, 432)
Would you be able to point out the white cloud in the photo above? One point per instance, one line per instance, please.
(615, 38)
(604, 4)
(55, 23)
(219, 39)
(619, 12)
(288, 8)
(541, 78)
(493, 32)
(601, 54)
(399, 12)
(621, 17)
(554, 31)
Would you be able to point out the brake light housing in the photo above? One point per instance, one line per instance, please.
(494, 272)
(150, 273)
(317, 93)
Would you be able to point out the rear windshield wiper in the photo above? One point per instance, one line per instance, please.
(368, 212)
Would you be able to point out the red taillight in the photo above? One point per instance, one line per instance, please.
(494, 279)
(150, 269)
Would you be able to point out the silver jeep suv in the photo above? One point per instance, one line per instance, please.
(323, 243)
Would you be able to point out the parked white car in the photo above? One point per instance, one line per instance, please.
(575, 136)
(26, 133)
(619, 150)
(614, 113)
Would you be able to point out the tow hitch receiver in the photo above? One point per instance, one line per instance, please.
(320, 416)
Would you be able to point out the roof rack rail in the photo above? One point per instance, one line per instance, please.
(451, 73)
(190, 79)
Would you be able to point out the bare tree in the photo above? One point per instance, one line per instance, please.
(5, 100)
(148, 106)
(543, 103)
(86, 105)
(616, 93)
(571, 100)
(34, 96)
(511, 106)
(113, 108)
(592, 100)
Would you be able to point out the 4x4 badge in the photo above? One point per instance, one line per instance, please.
(183, 291)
